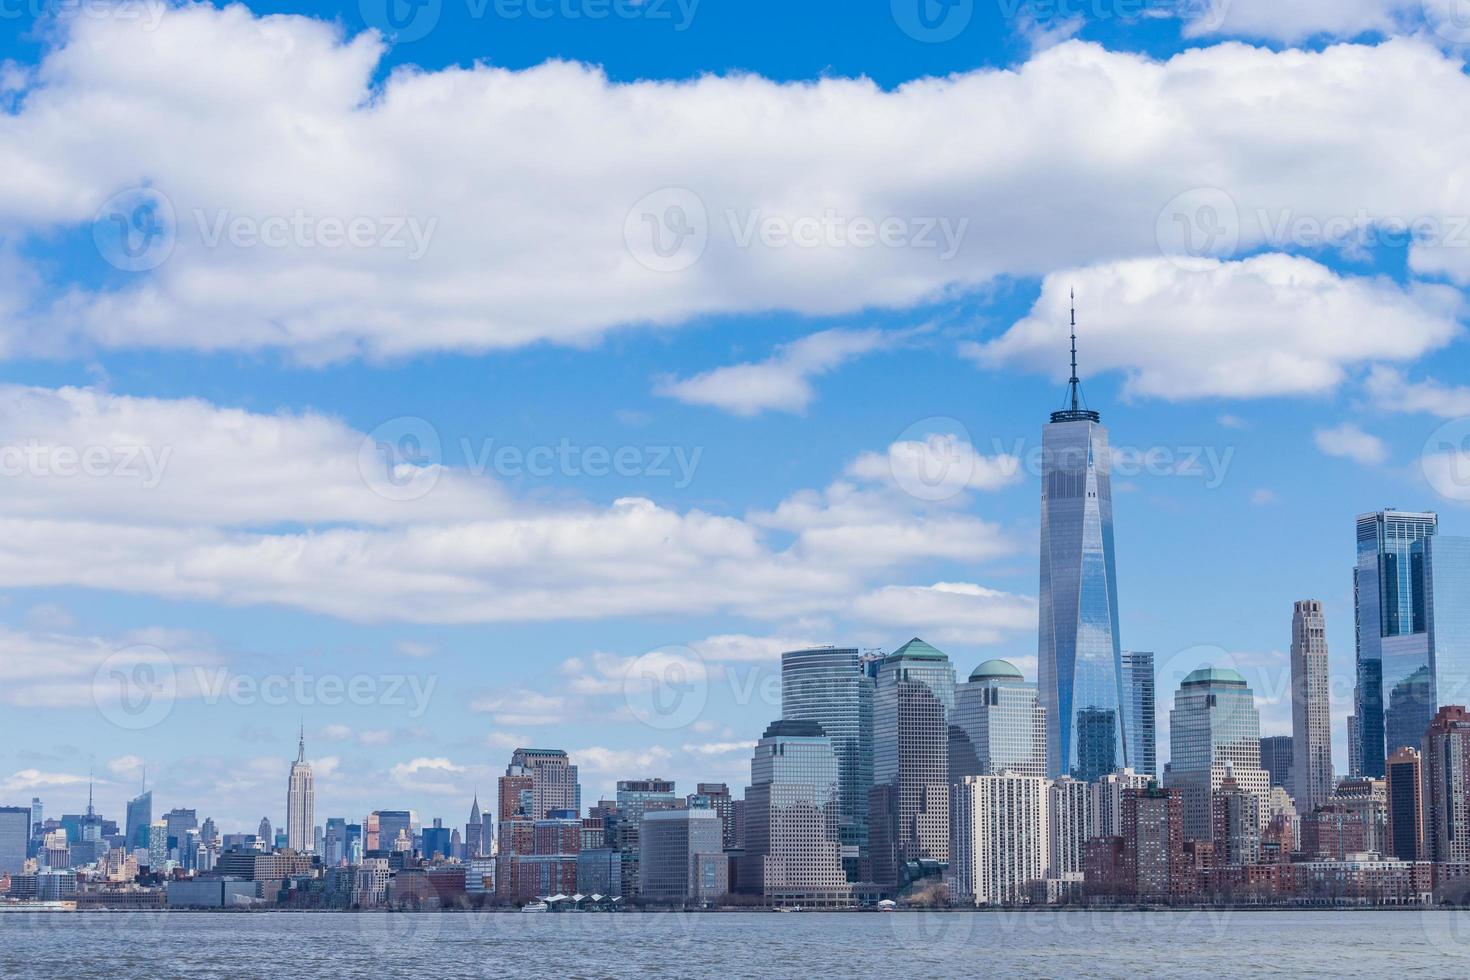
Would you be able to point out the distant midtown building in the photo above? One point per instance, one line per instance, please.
(1404, 777)
(15, 833)
(998, 725)
(478, 832)
(264, 832)
(1446, 782)
(1079, 652)
(1311, 708)
(829, 686)
(793, 849)
(139, 816)
(1140, 717)
(300, 802)
(1214, 732)
(908, 807)
(1277, 755)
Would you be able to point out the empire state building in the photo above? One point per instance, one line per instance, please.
(300, 802)
(1080, 659)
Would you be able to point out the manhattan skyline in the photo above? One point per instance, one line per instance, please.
(596, 455)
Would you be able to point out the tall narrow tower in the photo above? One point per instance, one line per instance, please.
(300, 801)
(1311, 713)
(1080, 657)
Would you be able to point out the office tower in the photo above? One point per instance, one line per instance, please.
(479, 831)
(1392, 633)
(437, 841)
(1140, 718)
(54, 852)
(371, 837)
(178, 822)
(829, 686)
(1446, 785)
(1107, 801)
(1079, 653)
(998, 725)
(1214, 732)
(1277, 752)
(352, 846)
(1154, 862)
(1311, 710)
(334, 842)
(1001, 837)
(1069, 812)
(681, 856)
(1404, 776)
(140, 815)
(15, 833)
(554, 783)
(394, 826)
(912, 702)
(264, 832)
(300, 801)
(636, 797)
(157, 845)
(793, 850)
(718, 799)
(37, 814)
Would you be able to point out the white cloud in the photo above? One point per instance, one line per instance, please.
(27, 780)
(415, 649)
(524, 253)
(522, 708)
(336, 733)
(1391, 391)
(1268, 325)
(949, 612)
(779, 383)
(1351, 442)
(1301, 19)
(435, 776)
(937, 466)
(126, 766)
(620, 763)
(1263, 497)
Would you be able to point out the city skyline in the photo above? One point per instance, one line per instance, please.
(440, 495)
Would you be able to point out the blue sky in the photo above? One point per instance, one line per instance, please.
(866, 240)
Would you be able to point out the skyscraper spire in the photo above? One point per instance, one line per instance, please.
(1072, 410)
(91, 812)
(301, 743)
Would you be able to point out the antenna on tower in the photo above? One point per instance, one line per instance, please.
(1073, 410)
(1075, 382)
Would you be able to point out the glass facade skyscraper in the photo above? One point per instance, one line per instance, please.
(1140, 711)
(829, 686)
(1214, 732)
(1412, 589)
(998, 725)
(1080, 657)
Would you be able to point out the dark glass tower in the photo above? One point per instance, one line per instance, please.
(1081, 665)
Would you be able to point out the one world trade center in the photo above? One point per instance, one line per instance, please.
(1080, 669)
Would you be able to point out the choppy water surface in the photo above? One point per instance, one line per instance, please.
(1219, 944)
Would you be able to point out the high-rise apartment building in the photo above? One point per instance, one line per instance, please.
(1079, 652)
(1446, 785)
(909, 802)
(793, 850)
(1311, 708)
(1070, 818)
(829, 686)
(1214, 732)
(1001, 837)
(998, 725)
(554, 783)
(300, 801)
(1140, 718)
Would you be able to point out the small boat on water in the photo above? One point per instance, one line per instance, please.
(535, 907)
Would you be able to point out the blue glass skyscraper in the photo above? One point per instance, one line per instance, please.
(1080, 656)
(1394, 695)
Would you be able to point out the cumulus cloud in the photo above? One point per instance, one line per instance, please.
(1351, 442)
(1390, 390)
(949, 612)
(782, 382)
(523, 253)
(522, 708)
(1272, 324)
(1302, 19)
